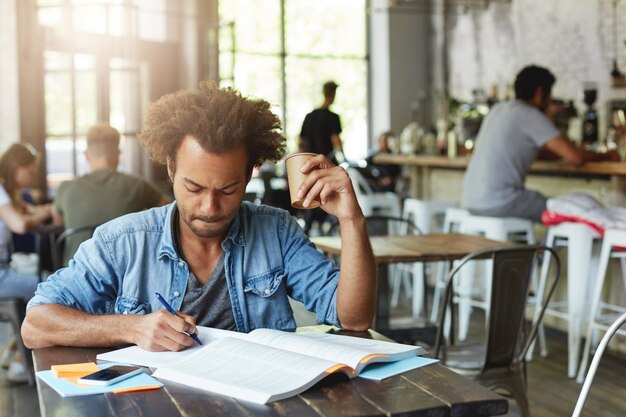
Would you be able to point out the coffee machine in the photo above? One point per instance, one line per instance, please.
(590, 116)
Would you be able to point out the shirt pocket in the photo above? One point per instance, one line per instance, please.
(267, 302)
(264, 285)
(128, 305)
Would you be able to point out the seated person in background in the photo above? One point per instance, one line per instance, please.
(383, 175)
(221, 261)
(508, 142)
(104, 193)
(18, 169)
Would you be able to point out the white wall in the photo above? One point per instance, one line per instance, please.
(9, 104)
(400, 68)
(573, 38)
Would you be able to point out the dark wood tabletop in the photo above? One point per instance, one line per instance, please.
(433, 391)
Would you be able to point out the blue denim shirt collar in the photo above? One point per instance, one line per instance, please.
(235, 234)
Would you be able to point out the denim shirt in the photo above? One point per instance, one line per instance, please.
(267, 257)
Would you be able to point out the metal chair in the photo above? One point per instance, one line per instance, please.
(584, 392)
(60, 242)
(498, 361)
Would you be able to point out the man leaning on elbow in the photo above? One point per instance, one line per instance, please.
(218, 260)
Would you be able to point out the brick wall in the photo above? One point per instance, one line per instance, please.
(574, 38)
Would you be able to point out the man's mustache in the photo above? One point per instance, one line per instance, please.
(208, 219)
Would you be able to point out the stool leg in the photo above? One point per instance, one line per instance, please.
(540, 289)
(578, 262)
(440, 284)
(595, 304)
(419, 288)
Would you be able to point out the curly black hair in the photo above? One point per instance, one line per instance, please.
(220, 119)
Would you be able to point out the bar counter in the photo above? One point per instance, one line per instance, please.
(606, 180)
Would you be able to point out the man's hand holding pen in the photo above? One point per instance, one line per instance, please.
(162, 331)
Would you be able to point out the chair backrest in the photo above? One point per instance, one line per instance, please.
(584, 392)
(83, 232)
(507, 337)
(361, 186)
(390, 226)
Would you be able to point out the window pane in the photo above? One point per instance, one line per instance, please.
(256, 24)
(259, 77)
(305, 77)
(124, 99)
(339, 27)
(58, 102)
(55, 61)
(119, 21)
(59, 160)
(90, 19)
(50, 16)
(86, 100)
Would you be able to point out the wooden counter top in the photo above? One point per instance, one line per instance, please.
(538, 167)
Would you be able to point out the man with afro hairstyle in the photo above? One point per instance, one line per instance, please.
(217, 259)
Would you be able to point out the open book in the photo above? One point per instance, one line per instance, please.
(265, 365)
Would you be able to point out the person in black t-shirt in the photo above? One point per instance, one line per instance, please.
(321, 128)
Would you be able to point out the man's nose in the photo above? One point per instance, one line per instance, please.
(210, 203)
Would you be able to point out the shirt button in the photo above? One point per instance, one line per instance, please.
(176, 293)
(126, 312)
(181, 263)
(267, 291)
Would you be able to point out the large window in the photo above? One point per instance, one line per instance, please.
(97, 60)
(284, 50)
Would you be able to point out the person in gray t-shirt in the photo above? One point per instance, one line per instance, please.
(508, 142)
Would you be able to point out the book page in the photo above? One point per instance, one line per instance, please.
(353, 353)
(247, 370)
(140, 357)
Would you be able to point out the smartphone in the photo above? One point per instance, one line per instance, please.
(110, 375)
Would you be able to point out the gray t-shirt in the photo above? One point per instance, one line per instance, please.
(210, 303)
(506, 146)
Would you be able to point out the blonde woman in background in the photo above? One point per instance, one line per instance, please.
(18, 170)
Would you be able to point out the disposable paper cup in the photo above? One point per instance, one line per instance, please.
(295, 178)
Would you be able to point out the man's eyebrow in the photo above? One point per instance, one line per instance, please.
(192, 182)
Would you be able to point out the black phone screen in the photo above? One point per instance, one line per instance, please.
(110, 373)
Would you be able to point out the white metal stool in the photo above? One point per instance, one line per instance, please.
(423, 214)
(497, 228)
(452, 222)
(581, 264)
(598, 319)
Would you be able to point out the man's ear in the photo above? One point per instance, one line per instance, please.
(170, 170)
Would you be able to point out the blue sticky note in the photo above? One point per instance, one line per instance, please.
(66, 389)
(380, 371)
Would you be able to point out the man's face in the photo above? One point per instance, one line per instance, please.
(208, 187)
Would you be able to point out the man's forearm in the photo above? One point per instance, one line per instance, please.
(57, 325)
(356, 293)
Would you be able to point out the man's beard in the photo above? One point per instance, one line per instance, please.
(211, 232)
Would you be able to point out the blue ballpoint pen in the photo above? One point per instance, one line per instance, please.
(171, 310)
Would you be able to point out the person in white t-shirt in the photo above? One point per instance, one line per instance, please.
(18, 169)
(510, 138)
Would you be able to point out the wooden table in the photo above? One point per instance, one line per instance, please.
(400, 249)
(431, 391)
